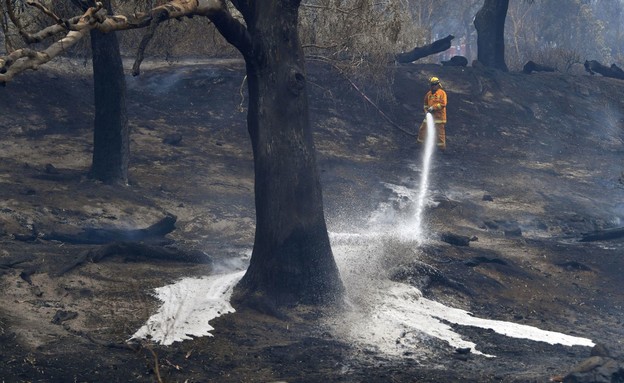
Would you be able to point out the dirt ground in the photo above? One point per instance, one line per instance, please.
(533, 163)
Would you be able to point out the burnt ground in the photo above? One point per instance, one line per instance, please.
(533, 162)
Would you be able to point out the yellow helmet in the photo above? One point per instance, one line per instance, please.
(434, 81)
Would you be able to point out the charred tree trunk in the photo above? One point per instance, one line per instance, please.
(490, 25)
(111, 136)
(419, 52)
(292, 260)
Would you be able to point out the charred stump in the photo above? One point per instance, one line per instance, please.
(456, 61)
(531, 66)
(419, 52)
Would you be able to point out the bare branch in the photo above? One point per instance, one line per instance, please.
(366, 98)
(24, 59)
(136, 68)
(50, 31)
(96, 18)
(4, 24)
(13, 18)
(46, 11)
(232, 29)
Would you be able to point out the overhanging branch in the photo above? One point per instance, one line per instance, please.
(151, 30)
(96, 18)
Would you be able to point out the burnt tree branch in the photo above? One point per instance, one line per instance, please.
(102, 236)
(96, 18)
(419, 52)
(135, 251)
(158, 18)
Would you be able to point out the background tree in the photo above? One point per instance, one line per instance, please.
(558, 34)
(111, 133)
(292, 261)
(611, 14)
(359, 38)
(490, 25)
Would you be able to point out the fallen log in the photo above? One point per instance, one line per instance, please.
(135, 251)
(593, 67)
(7, 264)
(455, 61)
(419, 52)
(531, 66)
(456, 239)
(602, 235)
(98, 236)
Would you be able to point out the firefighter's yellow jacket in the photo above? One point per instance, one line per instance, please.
(438, 101)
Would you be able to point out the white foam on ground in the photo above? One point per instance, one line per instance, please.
(394, 318)
(188, 307)
(389, 317)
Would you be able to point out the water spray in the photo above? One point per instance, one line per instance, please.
(424, 178)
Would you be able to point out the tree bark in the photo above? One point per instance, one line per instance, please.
(292, 261)
(111, 134)
(490, 25)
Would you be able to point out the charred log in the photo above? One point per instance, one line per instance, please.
(456, 61)
(573, 266)
(12, 262)
(476, 261)
(424, 276)
(593, 67)
(456, 239)
(531, 66)
(424, 51)
(97, 236)
(603, 235)
(135, 251)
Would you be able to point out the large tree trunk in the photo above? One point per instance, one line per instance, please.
(111, 142)
(490, 25)
(292, 260)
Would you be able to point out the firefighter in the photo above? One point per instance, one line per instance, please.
(435, 103)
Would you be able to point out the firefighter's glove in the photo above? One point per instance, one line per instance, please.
(430, 109)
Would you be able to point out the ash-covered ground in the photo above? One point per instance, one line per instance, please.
(533, 163)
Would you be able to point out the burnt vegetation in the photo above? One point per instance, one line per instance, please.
(283, 123)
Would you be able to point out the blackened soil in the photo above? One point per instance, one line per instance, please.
(533, 162)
